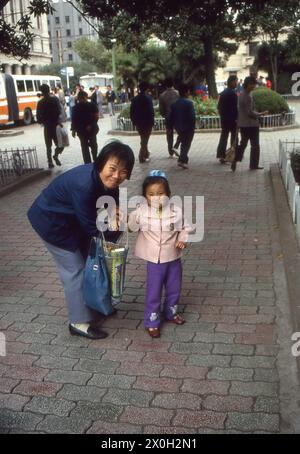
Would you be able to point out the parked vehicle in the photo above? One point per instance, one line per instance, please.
(92, 79)
(19, 96)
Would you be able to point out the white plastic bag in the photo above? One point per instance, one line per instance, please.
(62, 136)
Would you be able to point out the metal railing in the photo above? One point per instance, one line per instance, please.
(287, 174)
(212, 122)
(17, 162)
(283, 119)
(117, 107)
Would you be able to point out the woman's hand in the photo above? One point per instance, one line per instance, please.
(180, 245)
(117, 219)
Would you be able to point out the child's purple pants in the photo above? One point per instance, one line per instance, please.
(159, 275)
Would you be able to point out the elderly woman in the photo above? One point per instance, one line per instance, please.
(64, 215)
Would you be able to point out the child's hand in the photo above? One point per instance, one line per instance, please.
(180, 245)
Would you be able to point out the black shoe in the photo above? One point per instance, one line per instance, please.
(50, 165)
(93, 332)
(233, 166)
(256, 168)
(57, 161)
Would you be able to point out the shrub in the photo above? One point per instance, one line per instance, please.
(205, 106)
(265, 99)
(125, 113)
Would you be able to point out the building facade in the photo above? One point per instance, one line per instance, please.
(241, 63)
(66, 25)
(40, 50)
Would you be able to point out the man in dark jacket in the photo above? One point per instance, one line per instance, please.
(228, 110)
(47, 113)
(182, 118)
(142, 116)
(84, 122)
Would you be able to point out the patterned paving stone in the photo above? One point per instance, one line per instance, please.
(216, 374)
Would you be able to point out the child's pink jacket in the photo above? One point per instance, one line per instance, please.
(158, 234)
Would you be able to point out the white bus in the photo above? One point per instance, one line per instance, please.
(92, 79)
(18, 96)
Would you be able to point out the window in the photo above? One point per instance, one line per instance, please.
(50, 47)
(253, 48)
(12, 13)
(37, 84)
(21, 11)
(57, 20)
(67, 18)
(79, 18)
(80, 31)
(68, 32)
(52, 84)
(70, 57)
(29, 85)
(69, 44)
(21, 85)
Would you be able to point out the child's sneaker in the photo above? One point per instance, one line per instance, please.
(177, 319)
(153, 332)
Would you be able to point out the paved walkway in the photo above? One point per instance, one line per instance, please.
(228, 369)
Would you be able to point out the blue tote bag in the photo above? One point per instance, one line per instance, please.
(96, 282)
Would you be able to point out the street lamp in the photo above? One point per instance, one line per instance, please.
(113, 57)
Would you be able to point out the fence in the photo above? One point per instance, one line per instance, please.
(291, 186)
(210, 122)
(17, 162)
(117, 107)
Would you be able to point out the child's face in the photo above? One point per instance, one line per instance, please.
(156, 195)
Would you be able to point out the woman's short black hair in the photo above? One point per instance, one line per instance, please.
(118, 150)
(154, 180)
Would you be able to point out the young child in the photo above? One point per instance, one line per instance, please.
(162, 237)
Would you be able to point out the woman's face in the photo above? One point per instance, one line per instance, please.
(156, 195)
(113, 173)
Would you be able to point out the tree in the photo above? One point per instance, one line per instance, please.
(278, 17)
(80, 69)
(16, 39)
(210, 22)
(94, 53)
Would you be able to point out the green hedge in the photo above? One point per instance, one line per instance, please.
(202, 107)
(206, 106)
(265, 99)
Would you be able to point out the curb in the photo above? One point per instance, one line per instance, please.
(4, 134)
(289, 246)
(23, 181)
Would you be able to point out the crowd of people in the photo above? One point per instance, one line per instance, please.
(235, 107)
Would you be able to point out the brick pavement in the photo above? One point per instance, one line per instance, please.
(228, 369)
